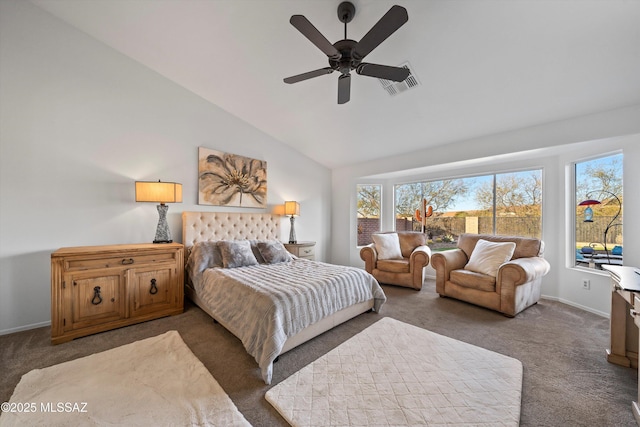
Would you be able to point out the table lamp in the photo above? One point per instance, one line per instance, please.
(160, 192)
(292, 209)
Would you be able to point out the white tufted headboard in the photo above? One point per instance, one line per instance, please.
(201, 226)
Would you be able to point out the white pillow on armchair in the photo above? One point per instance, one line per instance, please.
(487, 257)
(387, 245)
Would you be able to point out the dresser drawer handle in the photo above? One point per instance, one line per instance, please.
(127, 261)
(97, 299)
(307, 251)
(154, 288)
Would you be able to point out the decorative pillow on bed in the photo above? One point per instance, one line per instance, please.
(273, 252)
(487, 257)
(204, 255)
(387, 245)
(236, 253)
(256, 251)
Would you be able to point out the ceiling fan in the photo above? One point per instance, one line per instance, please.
(347, 55)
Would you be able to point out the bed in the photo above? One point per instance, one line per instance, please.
(285, 300)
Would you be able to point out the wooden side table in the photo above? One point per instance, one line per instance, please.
(625, 284)
(306, 250)
(625, 320)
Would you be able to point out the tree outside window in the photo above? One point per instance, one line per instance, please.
(368, 211)
(517, 197)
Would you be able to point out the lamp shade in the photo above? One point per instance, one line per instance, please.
(292, 208)
(158, 192)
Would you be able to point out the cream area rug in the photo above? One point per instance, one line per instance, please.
(153, 382)
(396, 374)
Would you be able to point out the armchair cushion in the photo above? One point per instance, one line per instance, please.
(387, 245)
(394, 265)
(487, 257)
(410, 241)
(525, 246)
(473, 280)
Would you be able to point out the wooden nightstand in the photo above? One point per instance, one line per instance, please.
(97, 288)
(306, 250)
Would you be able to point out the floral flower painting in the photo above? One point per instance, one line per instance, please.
(230, 180)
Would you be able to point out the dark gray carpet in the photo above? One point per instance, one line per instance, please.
(567, 380)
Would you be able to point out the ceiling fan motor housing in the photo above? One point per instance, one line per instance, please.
(347, 61)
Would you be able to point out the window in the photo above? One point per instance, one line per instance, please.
(368, 211)
(598, 216)
(505, 204)
(518, 204)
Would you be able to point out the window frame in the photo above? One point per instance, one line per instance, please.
(572, 212)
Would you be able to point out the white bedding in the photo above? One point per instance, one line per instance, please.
(265, 304)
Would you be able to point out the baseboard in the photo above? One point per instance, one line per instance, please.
(573, 304)
(25, 328)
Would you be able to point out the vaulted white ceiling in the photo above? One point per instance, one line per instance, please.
(484, 67)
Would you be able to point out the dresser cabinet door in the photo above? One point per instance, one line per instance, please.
(95, 296)
(152, 289)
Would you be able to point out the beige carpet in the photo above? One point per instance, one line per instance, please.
(567, 379)
(393, 373)
(156, 381)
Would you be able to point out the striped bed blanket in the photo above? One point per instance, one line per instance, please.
(265, 304)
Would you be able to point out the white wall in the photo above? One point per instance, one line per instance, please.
(552, 147)
(79, 124)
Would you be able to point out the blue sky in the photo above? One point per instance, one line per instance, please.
(469, 202)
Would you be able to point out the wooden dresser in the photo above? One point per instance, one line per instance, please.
(97, 288)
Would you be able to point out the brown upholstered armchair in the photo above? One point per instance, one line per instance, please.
(407, 270)
(515, 286)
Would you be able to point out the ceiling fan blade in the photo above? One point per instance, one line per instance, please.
(344, 88)
(309, 31)
(397, 74)
(395, 18)
(309, 75)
